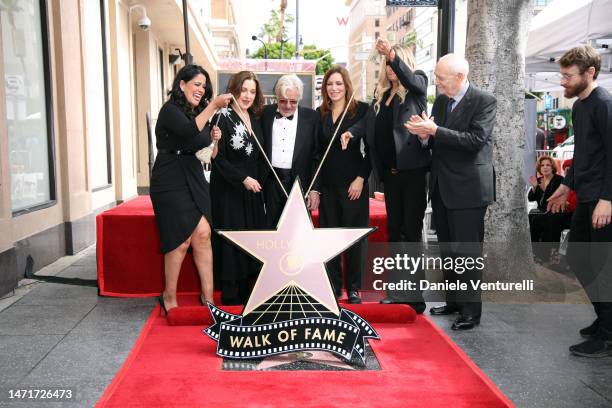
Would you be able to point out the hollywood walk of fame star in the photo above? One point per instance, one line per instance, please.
(294, 254)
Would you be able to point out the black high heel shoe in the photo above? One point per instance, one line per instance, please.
(162, 304)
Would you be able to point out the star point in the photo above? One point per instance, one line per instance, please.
(295, 253)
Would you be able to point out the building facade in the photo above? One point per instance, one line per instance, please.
(80, 77)
(367, 21)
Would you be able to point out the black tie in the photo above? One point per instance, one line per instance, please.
(279, 116)
(449, 108)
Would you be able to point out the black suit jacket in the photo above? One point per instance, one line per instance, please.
(408, 151)
(462, 150)
(305, 143)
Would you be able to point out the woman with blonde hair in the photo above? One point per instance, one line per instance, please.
(397, 157)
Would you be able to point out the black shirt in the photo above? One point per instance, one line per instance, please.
(542, 196)
(385, 143)
(342, 166)
(591, 171)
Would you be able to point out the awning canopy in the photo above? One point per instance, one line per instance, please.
(564, 24)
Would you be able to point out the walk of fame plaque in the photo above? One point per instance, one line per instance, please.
(292, 308)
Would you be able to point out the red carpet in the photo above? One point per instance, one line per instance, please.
(176, 366)
(128, 258)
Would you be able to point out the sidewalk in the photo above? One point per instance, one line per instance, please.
(66, 337)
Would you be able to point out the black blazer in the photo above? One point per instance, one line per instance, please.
(304, 150)
(462, 150)
(409, 153)
(341, 167)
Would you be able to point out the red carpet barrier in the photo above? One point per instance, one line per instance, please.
(176, 366)
(372, 313)
(128, 257)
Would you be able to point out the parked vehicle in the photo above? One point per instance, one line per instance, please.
(565, 150)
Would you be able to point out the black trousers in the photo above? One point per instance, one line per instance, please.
(274, 197)
(336, 210)
(460, 234)
(405, 204)
(589, 254)
(545, 229)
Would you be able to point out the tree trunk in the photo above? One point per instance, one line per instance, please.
(495, 48)
(281, 28)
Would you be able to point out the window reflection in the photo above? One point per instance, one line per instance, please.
(26, 99)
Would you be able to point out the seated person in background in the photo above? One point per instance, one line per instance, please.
(545, 227)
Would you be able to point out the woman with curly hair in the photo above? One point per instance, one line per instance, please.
(179, 191)
(237, 201)
(545, 227)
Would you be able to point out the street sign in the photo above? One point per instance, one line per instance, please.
(412, 3)
(548, 101)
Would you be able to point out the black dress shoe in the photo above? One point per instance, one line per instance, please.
(443, 310)
(465, 323)
(419, 307)
(591, 330)
(595, 348)
(353, 297)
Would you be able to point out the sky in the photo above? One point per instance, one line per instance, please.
(319, 23)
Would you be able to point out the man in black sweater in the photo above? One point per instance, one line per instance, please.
(589, 253)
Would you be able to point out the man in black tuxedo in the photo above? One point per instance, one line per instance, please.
(462, 179)
(289, 142)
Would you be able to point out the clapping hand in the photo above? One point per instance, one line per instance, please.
(422, 126)
(533, 180)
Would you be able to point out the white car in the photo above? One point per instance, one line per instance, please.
(565, 150)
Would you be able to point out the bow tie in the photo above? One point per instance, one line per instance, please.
(279, 116)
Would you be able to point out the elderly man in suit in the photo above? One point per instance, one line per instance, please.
(462, 179)
(289, 142)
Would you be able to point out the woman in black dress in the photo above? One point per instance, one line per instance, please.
(545, 227)
(342, 181)
(179, 191)
(237, 202)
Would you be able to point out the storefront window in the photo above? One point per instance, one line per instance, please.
(97, 118)
(24, 57)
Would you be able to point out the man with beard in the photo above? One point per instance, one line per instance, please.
(289, 142)
(589, 252)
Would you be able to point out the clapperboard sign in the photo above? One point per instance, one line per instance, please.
(292, 307)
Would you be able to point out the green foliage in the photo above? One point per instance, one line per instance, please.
(274, 51)
(310, 52)
(431, 99)
(270, 32)
(410, 40)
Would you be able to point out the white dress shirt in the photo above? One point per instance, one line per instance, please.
(283, 141)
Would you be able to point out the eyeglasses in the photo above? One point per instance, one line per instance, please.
(567, 77)
(288, 102)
